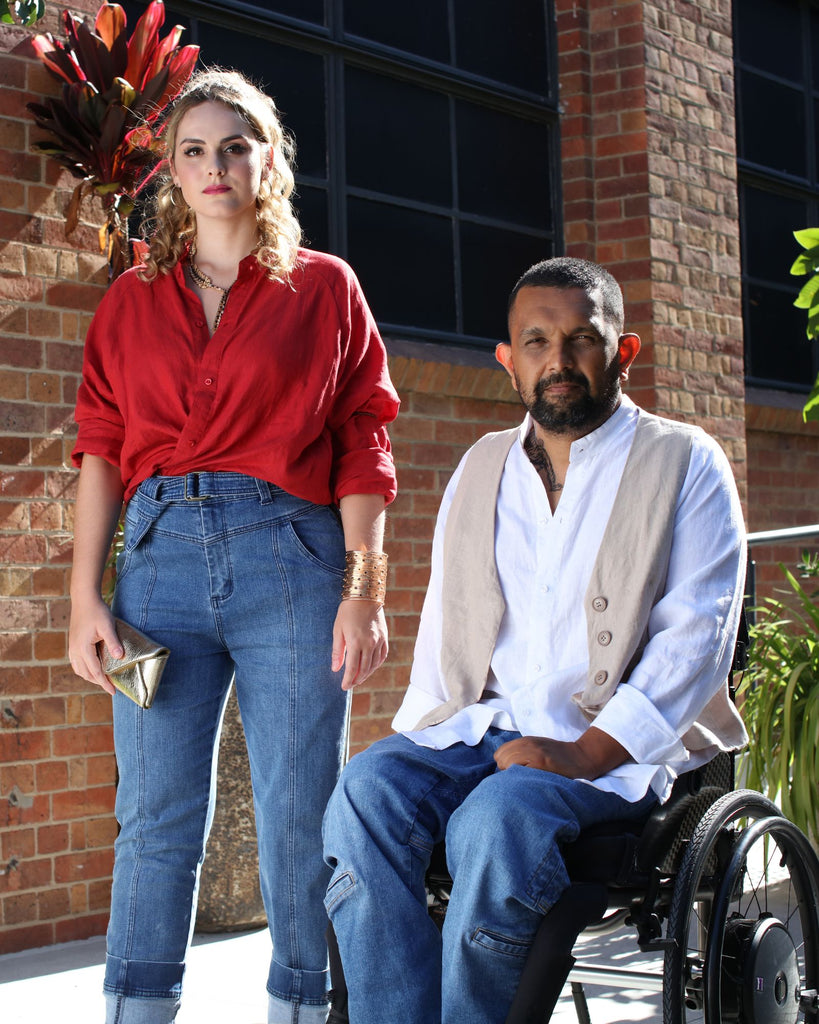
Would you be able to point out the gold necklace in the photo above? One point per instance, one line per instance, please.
(203, 281)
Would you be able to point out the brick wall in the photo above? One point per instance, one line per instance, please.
(56, 765)
(649, 163)
(783, 481)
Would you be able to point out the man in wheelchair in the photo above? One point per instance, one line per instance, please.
(571, 661)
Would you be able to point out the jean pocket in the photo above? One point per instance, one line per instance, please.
(338, 889)
(319, 538)
(502, 943)
(136, 525)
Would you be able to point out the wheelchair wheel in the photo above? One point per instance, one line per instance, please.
(743, 924)
(761, 962)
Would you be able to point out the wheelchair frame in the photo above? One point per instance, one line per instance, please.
(733, 910)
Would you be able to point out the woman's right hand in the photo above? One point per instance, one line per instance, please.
(92, 621)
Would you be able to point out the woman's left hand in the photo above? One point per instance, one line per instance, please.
(359, 640)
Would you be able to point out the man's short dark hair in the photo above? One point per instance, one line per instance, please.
(569, 272)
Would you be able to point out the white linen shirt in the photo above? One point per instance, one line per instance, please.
(544, 563)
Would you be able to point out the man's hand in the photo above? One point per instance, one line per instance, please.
(588, 757)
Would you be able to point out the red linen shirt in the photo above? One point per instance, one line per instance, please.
(293, 386)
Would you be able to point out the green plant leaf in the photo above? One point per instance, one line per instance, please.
(806, 295)
(805, 263)
(810, 411)
(807, 237)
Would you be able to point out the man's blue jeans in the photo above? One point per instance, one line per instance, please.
(503, 832)
(233, 575)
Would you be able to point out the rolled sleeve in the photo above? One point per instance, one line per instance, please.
(654, 742)
(364, 402)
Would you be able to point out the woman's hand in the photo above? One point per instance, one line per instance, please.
(92, 621)
(359, 640)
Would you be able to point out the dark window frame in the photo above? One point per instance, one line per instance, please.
(339, 48)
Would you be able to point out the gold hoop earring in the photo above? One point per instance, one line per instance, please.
(171, 199)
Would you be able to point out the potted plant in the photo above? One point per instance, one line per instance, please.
(780, 701)
(103, 123)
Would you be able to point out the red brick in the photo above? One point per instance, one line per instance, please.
(52, 838)
(29, 745)
(83, 866)
(82, 740)
(29, 936)
(75, 928)
(17, 844)
(74, 295)
(71, 805)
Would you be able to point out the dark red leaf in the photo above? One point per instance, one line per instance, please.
(142, 42)
(110, 27)
(179, 69)
(92, 54)
(57, 60)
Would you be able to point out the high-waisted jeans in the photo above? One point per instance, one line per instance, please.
(239, 578)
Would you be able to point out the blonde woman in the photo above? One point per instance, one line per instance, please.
(235, 395)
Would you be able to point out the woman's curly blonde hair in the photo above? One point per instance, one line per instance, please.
(173, 223)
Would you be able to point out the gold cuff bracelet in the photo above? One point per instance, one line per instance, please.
(365, 576)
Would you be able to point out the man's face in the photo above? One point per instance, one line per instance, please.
(565, 360)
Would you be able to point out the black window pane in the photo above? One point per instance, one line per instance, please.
(294, 78)
(307, 10)
(772, 122)
(777, 348)
(404, 260)
(504, 41)
(311, 207)
(503, 166)
(492, 260)
(814, 45)
(397, 138)
(768, 223)
(769, 36)
(421, 28)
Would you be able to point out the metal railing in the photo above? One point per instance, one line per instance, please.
(786, 536)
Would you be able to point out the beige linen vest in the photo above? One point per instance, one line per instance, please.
(635, 546)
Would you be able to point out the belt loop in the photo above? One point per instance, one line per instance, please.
(151, 487)
(266, 495)
(192, 485)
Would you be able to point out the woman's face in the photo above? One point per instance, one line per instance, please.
(218, 163)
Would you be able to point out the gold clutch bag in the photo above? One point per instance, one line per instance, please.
(138, 671)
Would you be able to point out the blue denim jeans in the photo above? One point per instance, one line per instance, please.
(237, 578)
(503, 832)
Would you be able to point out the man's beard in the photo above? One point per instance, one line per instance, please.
(584, 412)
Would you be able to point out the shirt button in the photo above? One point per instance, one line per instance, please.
(208, 381)
(600, 604)
(191, 444)
(600, 678)
(199, 323)
(604, 638)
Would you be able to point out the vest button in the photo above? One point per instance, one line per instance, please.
(600, 604)
(600, 677)
(604, 638)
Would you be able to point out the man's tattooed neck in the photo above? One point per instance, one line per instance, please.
(539, 457)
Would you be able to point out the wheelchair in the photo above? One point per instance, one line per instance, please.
(720, 888)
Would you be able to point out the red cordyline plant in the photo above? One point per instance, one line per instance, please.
(104, 122)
